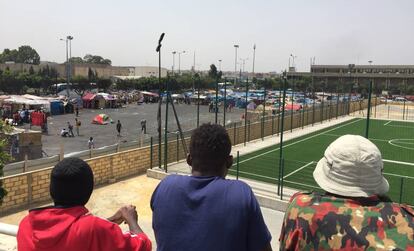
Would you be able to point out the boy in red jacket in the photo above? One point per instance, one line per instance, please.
(68, 225)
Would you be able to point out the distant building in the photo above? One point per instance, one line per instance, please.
(101, 70)
(379, 74)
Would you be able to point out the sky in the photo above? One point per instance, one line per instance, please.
(127, 31)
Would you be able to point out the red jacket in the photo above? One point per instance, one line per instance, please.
(74, 229)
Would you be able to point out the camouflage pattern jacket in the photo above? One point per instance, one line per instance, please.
(315, 221)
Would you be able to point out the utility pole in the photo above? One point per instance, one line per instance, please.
(254, 57)
(173, 66)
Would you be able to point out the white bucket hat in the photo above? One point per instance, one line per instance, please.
(351, 166)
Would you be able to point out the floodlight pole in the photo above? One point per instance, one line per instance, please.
(225, 102)
(369, 109)
(281, 131)
(245, 112)
(160, 99)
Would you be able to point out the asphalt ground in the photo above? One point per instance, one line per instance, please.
(130, 118)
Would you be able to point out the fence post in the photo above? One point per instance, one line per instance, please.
(368, 110)
(237, 165)
(404, 110)
(178, 148)
(273, 124)
(248, 131)
(303, 117)
(151, 152)
(234, 134)
(401, 189)
(62, 152)
(25, 164)
(281, 179)
(29, 189)
(388, 111)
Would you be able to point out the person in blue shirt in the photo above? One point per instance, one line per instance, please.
(205, 211)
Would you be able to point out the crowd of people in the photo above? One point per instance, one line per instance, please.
(206, 211)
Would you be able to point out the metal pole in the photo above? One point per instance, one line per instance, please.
(235, 65)
(67, 68)
(369, 109)
(216, 102)
(237, 165)
(291, 109)
(225, 102)
(178, 148)
(158, 49)
(198, 102)
(160, 101)
(281, 131)
(166, 127)
(264, 112)
(282, 180)
(401, 189)
(254, 57)
(151, 152)
(234, 134)
(245, 112)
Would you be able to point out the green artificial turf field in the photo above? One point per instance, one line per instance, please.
(395, 139)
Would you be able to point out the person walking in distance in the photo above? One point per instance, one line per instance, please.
(91, 144)
(77, 125)
(118, 128)
(70, 128)
(144, 126)
(77, 111)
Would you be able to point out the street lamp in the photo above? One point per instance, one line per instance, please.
(254, 57)
(220, 64)
(293, 60)
(179, 61)
(236, 46)
(173, 53)
(68, 41)
(244, 62)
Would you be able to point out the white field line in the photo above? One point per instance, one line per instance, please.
(300, 184)
(294, 143)
(401, 126)
(337, 135)
(400, 176)
(388, 122)
(398, 162)
(297, 170)
(257, 175)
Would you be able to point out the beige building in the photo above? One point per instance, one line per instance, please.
(83, 69)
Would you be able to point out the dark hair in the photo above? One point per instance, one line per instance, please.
(210, 145)
(71, 182)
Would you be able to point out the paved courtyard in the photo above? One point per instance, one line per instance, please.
(130, 118)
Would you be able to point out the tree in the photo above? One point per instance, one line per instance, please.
(104, 83)
(95, 59)
(76, 60)
(212, 73)
(81, 84)
(27, 55)
(4, 157)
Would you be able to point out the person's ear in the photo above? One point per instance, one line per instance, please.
(189, 160)
(229, 161)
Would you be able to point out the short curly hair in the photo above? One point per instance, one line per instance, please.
(210, 145)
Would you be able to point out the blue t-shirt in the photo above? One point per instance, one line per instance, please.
(207, 213)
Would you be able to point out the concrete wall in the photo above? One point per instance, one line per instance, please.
(31, 188)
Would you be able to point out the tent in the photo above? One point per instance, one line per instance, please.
(102, 119)
(251, 106)
(295, 107)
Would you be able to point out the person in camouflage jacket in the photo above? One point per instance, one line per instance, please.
(353, 213)
(321, 221)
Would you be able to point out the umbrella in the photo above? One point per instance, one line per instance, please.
(102, 119)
